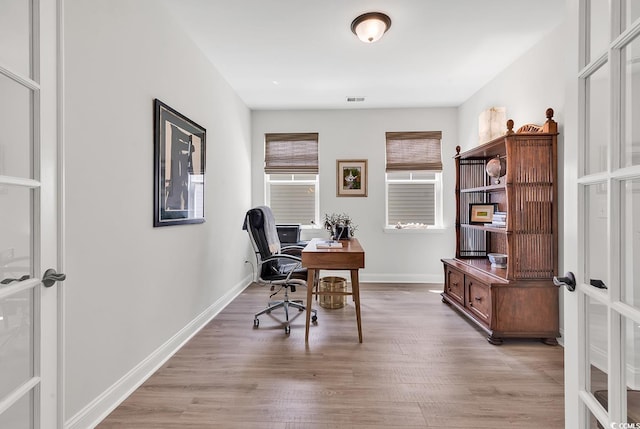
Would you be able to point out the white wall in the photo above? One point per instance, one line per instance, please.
(360, 134)
(133, 292)
(526, 89)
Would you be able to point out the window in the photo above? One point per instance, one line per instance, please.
(291, 177)
(413, 179)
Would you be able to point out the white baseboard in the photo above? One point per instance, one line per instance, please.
(387, 278)
(99, 408)
(402, 278)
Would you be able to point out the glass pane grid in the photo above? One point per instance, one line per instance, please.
(16, 122)
(20, 415)
(596, 235)
(630, 242)
(15, 36)
(631, 12)
(599, 27)
(16, 340)
(597, 120)
(630, 146)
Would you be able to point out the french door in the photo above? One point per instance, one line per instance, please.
(605, 353)
(28, 214)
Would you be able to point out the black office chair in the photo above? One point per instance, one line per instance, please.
(275, 265)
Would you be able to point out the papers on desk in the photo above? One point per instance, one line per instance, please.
(328, 244)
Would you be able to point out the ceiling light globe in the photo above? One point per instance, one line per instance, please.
(371, 30)
(370, 27)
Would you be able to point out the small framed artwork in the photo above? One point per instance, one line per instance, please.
(179, 167)
(351, 178)
(481, 213)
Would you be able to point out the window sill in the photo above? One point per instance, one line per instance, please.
(427, 230)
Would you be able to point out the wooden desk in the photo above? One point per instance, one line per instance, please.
(349, 257)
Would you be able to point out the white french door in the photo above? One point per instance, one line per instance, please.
(28, 214)
(604, 315)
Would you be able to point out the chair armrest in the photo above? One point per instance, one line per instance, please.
(292, 246)
(282, 256)
(287, 257)
(292, 249)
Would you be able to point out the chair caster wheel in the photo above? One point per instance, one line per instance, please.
(256, 323)
(287, 329)
(314, 318)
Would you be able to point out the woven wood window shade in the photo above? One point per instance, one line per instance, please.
(413, 151)
(291, 153)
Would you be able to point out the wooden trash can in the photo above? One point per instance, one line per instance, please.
(333, 284)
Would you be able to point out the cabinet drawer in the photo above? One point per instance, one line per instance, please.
(479, 299)
(454, 285)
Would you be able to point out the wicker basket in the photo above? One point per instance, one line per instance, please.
(333, 284)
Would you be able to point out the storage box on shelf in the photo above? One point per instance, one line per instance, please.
(519, 301)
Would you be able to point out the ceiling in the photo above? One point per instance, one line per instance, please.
(300, 54)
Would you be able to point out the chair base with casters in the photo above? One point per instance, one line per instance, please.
(285, 303)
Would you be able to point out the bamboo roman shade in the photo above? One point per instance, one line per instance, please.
(291, 153)
(412, 151)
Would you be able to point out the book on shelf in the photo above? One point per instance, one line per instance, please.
(328, 244)
(499, 220)
(496, 225)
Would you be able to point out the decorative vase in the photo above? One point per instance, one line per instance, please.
(341, 232)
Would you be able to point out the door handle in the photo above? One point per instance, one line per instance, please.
(597, 283)
(50, 277)
(21, 279)
(569, 280)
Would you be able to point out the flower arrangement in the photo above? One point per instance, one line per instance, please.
(339, 225)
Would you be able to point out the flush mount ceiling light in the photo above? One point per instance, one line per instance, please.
(370, 27)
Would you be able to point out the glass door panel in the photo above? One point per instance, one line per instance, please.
(15, 36)
(597, 337)
(630, 235)
(597, 140)
(599, 32)
(16, 123)
(631, 81)
(15, 232)
(631, 365)
(631, 12)
(20, 414)
(596, 234)
(16, 341)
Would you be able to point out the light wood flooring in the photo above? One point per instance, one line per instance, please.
(421, 365)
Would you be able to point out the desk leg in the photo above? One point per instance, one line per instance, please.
(311, 277)
(355, 286)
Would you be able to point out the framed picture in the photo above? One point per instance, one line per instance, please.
(179, 167)
(351, 178)
(481, 213)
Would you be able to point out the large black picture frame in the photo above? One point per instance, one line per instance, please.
(179, 168)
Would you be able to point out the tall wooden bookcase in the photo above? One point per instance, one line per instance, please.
(519, 301)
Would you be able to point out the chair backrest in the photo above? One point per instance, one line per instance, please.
(254, 223)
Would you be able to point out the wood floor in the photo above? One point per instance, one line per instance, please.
(420, 365)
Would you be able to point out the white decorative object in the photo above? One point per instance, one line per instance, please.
(492, 123)
(498, 260)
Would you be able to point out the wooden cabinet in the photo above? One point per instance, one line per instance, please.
(520, 300)
(455, 284)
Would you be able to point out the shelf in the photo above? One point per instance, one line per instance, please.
(488, 188)
(482, 268)
(485, 228)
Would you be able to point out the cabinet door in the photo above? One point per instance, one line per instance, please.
(479, 299)
(454, 285)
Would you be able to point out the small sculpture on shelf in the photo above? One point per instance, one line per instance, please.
(340, 226)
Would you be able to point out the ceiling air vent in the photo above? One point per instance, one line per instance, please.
(355, 99)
